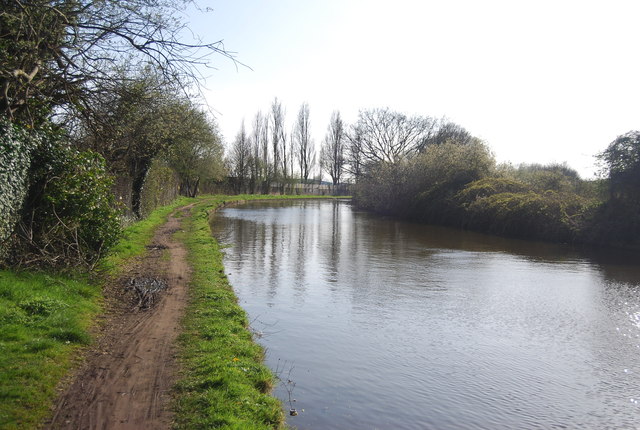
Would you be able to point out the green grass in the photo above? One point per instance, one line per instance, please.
(43, 321)
(224, 383)
(137, 236)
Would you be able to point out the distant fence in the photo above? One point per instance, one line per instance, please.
(233, 187)
(319, 189)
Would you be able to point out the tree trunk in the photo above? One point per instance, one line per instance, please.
(138, 176)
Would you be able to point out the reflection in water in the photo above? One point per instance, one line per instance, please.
(394, 325)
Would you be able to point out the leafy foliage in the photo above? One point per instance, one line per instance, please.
(142, 121)
(160, 187)
(556, 177)
(196, 153)
(69, 217)
(507, 207)
(617, 221)
(622, 161)
(16, 147)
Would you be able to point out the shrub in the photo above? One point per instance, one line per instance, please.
(615, 223)
(488, 187)
(507, 207)
(69, 216)
(160, 188)
(423, 187)
(544, 177)
(16, 147)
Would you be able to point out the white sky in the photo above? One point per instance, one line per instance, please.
(539, 81)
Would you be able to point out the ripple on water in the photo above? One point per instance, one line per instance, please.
(394, 325)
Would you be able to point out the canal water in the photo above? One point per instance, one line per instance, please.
(373, 323)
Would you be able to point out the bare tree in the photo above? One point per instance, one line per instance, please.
(286, 156)
(305, 151)
(277, 134)
(388, 136)
(241, 158)
(60, 52)
(354, 162)
(263, 165)
(333, 148)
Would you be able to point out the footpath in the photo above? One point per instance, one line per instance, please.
(126, 377)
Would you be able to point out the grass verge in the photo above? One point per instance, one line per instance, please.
(224, 383)
(44, 320)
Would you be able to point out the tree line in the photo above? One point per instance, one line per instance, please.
(100, 115)
(433, 170)
(444, 175)
(265, 155)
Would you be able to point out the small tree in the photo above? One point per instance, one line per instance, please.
(306, 153)
(355, 162)
(240, 158)
(622, 163)
(197, 153)
(333, 149)
(263, 163)
(277, 139)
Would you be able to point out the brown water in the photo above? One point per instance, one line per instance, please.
(382, 324)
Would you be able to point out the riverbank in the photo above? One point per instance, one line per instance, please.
(54, 323)
(223, 381)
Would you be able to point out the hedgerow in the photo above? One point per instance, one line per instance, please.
(16, 147)
(69, 216)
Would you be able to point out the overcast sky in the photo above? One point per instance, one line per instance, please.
(539, 81)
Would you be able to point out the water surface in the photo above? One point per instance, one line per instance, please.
(382, 324)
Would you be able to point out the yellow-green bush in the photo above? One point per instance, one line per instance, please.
(160, 188)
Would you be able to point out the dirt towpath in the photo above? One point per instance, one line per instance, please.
(125, 380)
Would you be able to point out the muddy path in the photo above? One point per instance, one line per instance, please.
(126, 377)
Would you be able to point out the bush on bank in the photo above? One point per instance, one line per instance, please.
(16, 146)
(461, 186)
(59, 210)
